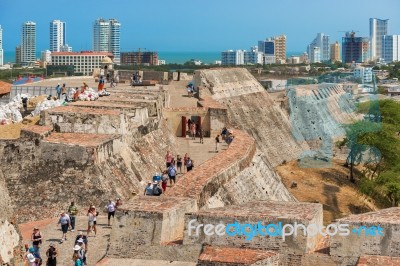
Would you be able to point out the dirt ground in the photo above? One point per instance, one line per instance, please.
(328, 186)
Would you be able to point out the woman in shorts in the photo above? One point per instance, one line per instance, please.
(92, 214)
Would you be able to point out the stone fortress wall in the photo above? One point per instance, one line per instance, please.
(61, 159)
(225, 86)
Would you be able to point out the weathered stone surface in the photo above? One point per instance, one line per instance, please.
(362, 242)
(225, 256)
(370, 260)
(204, 181)
(291, 249)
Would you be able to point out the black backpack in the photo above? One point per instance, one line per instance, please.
(157, 191)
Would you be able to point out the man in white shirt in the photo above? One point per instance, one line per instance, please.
(111, 210)
(65, 221)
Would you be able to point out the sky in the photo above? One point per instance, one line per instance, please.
(206, 25)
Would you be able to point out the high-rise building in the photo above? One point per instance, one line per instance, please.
(377, 29)
(335, 52)
(18, 54)
(57, 35)
(231, 57)
(28, 44)
(322, 42)
(1, 47)
(106, 37)
(314, 54)
(355, 49)
(280, 49)
(274, 49)
(391, 48)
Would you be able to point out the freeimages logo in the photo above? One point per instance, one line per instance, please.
(279, 230)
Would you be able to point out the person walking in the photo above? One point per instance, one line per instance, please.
(92, 214)
(189, 164)
(172, 174)
(200, 132)
(37, 239)
(185, 161)
(179, 163)
(193, 131)
(64, 221)
(116, 80)
(110, 210)
(168, 159)
(75, 257)
(58, 90)
(118, 203)
(101, 84)
(216, 143)
(51, 254)
(72, 212)
(82, 238)
(164, 180)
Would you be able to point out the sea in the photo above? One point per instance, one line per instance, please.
(169, 57)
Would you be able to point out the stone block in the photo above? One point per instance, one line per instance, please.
(362, 240)
(226, 256)
(148, 221)
(292, 248)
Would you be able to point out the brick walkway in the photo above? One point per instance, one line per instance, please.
(52, 234)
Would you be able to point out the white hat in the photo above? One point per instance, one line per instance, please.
(77, 247)
(80, 240)
(30, 257)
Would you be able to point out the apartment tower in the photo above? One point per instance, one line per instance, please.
(106, 37)
(57, 35)
(377, 29)
(28, 43)
(322, 42)
(335, 52)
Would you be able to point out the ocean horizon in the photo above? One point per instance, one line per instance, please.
(169, 57)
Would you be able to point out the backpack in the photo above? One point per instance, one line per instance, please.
(189, 163)
(157, 190)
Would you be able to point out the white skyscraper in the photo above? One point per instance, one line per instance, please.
(323, 53)
(106, 37)
(57, 35)
(377, 29)
(28, 44)
(391, 48)
(1, 47)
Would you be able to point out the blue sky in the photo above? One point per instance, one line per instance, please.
(206, 25)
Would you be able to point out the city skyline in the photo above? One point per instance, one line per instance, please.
(212, 26)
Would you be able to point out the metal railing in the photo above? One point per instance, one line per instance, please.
(34, 91)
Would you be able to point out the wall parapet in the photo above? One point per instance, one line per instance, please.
(204, 181)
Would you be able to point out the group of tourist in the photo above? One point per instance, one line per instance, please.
(67, 221)
(160, 182)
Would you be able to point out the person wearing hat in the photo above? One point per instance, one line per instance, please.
(82, 251)
(51, 254)
(31, 259)
(75, 258)
(148, 191)
(81, 238)
(157, 190)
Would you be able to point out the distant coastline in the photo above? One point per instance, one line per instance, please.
(169, 57)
